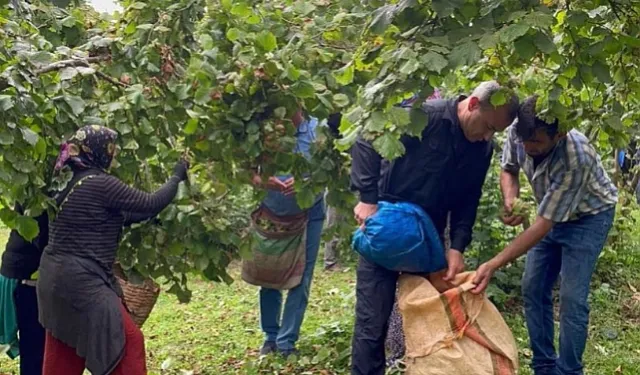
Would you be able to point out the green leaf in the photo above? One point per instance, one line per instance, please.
(304, 8)
(114, 106)
(499, 98)
(488, 41)
(293, 73)
(253, 19)
(68, 73)
(382, 18)
(389, 146)
(601, 71)
(544, 43)
(41, 58)
(267, 41)
(76, 103)
(202, 262)
(512, 32)
(145, 127)
(615, 123)
(145, 27)
(280, 112)
(234, 34)
(445, 8)
(6, 103)
(409, 66)
(134, 94)
(131, 145)
(206, 41)
(399, 116)
(341, 100)
(465, 54)
(525, 47)
(202, 95)
(27, 227)
(130, 29)
(191, 126)
(41, 147)
(434, 61)
(123, 128)
(418, 121)
(138, 5)
(241, 9)
(6, 138)
(303, 89)
(69, 21)
(539, 19)
(30, 136)
(376, 122)
(344, 76)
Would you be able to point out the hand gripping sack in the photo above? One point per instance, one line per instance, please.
(450, 331)
(400, 237)
(279, 250)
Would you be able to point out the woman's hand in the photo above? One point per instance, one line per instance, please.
(181, 169)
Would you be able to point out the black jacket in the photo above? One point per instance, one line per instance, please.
(442, 173)
(21, 258)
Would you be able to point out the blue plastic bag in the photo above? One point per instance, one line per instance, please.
(401, 237)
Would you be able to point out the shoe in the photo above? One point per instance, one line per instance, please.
(289, 352)
(268, 347)
(333, 268)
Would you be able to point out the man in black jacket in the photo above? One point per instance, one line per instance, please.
(20, 261)
(443, 172)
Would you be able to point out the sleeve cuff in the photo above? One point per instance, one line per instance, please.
(369, 197)
(459, 244)
(513, 169)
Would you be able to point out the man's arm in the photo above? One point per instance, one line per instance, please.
(525, 241)
(559, 202)
(509, 182)
(463, 216)
(365, 174)
(510, 186)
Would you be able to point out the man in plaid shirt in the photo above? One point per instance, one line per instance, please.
(576, 205)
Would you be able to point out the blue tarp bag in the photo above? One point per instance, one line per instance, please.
(400, 237)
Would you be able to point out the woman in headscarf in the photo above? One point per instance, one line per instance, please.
(79, 298)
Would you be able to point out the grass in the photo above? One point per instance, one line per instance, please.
(218, 332)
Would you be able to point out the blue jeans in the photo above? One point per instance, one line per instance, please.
(280, 327)
(570, 250)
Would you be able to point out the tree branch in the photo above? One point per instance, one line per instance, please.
(80, 62)
(111, 80)
(71, 63)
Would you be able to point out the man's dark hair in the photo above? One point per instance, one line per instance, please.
(528, 122)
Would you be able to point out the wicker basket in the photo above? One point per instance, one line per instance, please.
(138, 298)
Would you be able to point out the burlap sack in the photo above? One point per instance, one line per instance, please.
(450, 331)
(278, 255)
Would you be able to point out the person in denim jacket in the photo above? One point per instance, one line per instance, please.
(282, 327)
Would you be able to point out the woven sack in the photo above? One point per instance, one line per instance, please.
(278, 253)
(451, 331)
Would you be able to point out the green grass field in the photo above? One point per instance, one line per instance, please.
(218, 332)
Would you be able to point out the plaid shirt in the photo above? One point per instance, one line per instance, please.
(569, 183)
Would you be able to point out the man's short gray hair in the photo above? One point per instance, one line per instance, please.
(486, 89)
